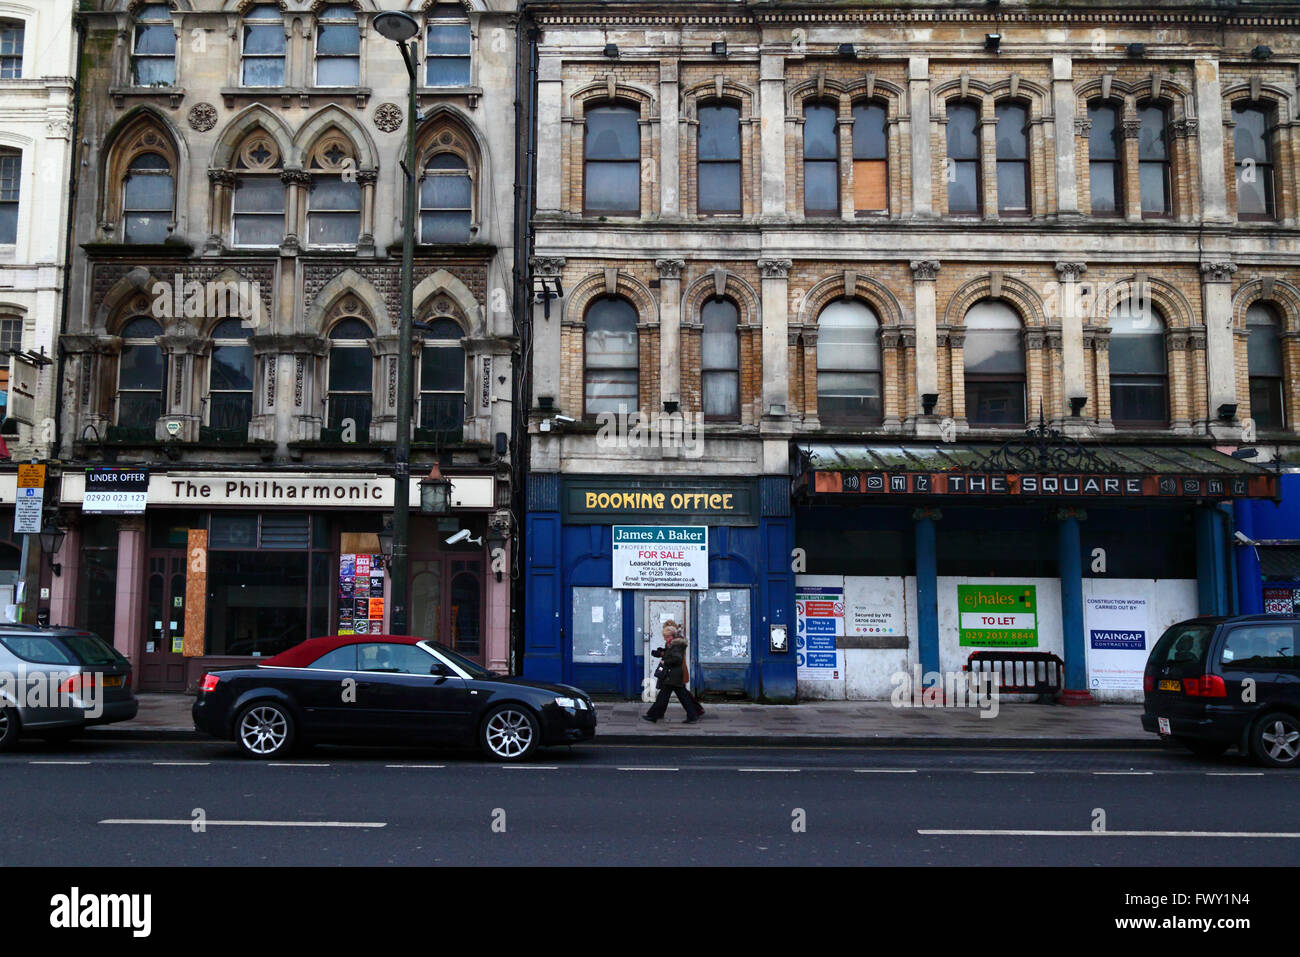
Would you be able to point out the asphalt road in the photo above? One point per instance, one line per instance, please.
(124, 803)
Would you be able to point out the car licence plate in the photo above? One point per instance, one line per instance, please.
(1171, 684)
(1164, 725)
(112, 681)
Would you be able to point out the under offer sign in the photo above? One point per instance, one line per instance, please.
(661, 556)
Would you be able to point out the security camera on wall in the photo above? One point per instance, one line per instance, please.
(463, 536)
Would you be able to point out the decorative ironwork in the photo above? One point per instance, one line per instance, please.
(1044, 450)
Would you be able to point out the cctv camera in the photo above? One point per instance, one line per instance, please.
(565, 418)
(1242, 538)
(458, 537)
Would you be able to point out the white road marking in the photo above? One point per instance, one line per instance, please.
(58, 762)
(181, 764)
(415, 765)
(1235, 774)
(1027, 833)
(1121, 773)
(884, 770)
(761, 770)
(1004, 772)
(530, 767)
(211, 823)
(647, 769)
(293, 764)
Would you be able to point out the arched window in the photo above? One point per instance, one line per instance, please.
(719, 159)
(11, 170)
(1139, 387)
(147, 197)
(1105, 182)
(445, 200)
(870, 159)
(1013, 158)
(11, 49)
(442, 379)
(611, 357)
(338, 46)
(257, 211)
(964, 176)
(141, 376)
(821, 160)
(264, 46)
(230, 379)
(350, 382)
(334, 201)
(848, 364)
(447, 46)
(720, 361)
(995, 365)
(1153, 161)
(612, 157)
(153, 57)
(1254, 161)
(1264, 366)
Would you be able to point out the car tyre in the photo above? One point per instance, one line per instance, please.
(265, 729)
(9, 729)
(510, 732)
(1275, 740)
(1204, 749)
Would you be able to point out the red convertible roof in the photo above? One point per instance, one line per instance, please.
(301, 655)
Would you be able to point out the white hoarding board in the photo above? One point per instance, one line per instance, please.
(1118, 642)
(819, 621)
(661, 556)
(873, 606)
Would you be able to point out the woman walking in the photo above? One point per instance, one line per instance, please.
(672, 677)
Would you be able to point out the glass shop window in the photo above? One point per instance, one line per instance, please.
(597, 626)
(723, 626)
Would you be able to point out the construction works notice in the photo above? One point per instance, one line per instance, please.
(661, 556)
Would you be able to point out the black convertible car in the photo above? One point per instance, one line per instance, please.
(388, 689)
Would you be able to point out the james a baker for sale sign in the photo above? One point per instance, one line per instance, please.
(661, 556)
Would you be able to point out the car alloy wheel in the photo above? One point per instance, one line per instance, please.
(265, 730)
(1277, 740)
(510, 734)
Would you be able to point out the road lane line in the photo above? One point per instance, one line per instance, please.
(181, 764)
(293, 764)
(1004, 772)
(763, 770)
(415, 765)
(1028, 833)
(58, 762)
(647, 769)
(210, 823)
(1123, 773)
(884, 770)
(530, 767)
(1235, 774)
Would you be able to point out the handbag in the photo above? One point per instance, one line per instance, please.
(659, 672)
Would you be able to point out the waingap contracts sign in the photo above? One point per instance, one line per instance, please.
(661, 556)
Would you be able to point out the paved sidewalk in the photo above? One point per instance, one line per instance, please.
(814, 722)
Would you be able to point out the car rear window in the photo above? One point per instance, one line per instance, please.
(92, 650)
(38, 649)
(1183, 645)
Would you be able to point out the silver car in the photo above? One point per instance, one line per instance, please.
(56, 681)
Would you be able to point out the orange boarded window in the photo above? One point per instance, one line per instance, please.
(870, 159)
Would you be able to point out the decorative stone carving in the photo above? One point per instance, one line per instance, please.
(367, 176)
(1035, 340)
(388, 117)
(1181, 128)
(222, 177)
(202, 117)
(1219, 271)
(1131, 128)
(775, 268)
(1178, 341)
(549, 267)
(925, 270)
(1071, 272)
(1082, 126)
(299, 177)
(670, 268)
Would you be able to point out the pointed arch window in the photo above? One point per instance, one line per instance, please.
(611, 357)
(995, 365)
(338, 46)
(848, 364)
(350, 379)
(447, 46)
(612, 161)
(11, 49)
(153, 54)
(264, 46)
(230, 380)
(257, 210)
(870, 158)
(1105, 165)
(720, 361)
(719, 159)
(1013, 158)
(11, 169)
(446, 194)
(964, 175)
(1153, 161)
(148, 195)
(821, 160)
(141, 376)
(334, 199)
(1253, 159)
(1264, 365)
(1139, 384)
(442, 380)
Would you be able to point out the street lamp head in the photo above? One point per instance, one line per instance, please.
(396, 26)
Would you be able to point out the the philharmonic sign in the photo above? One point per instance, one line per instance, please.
(997, 483)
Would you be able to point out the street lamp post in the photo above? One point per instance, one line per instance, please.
(401, 28)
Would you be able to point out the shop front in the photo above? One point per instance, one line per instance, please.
(214, 569)
(611, 561)
(918, 556)
(1268, 551)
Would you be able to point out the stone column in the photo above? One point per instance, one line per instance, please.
(547, 340)
(1067, 173)
(1101, 351)
(892, 386)
(63, 587)
(1221, 372)
(297, 182)
(670, 317)
(669, 142)
(776, 373)
(223, 184)
(129, 611)
(550, 102)
(1071, 318)
(988, 134)
(1035, 341)
(1130, 127)
(924, 272)
(957, 375)
(496, 613)
(918, 94)
(1180, 415)
(1209, 140)
(772, 106)
(366, 239)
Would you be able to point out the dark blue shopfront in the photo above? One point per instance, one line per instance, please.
(582, 630)
(1268, 551)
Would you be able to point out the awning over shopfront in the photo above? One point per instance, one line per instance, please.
(1033, 468)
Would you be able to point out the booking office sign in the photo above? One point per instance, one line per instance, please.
(998, 616)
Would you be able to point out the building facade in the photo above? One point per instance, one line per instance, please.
(37, 71)
(232, 349)
(971, 304)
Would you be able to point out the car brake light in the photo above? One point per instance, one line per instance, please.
(75, 684)
(1206, 686)
(1148, 683)
(209, 683)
